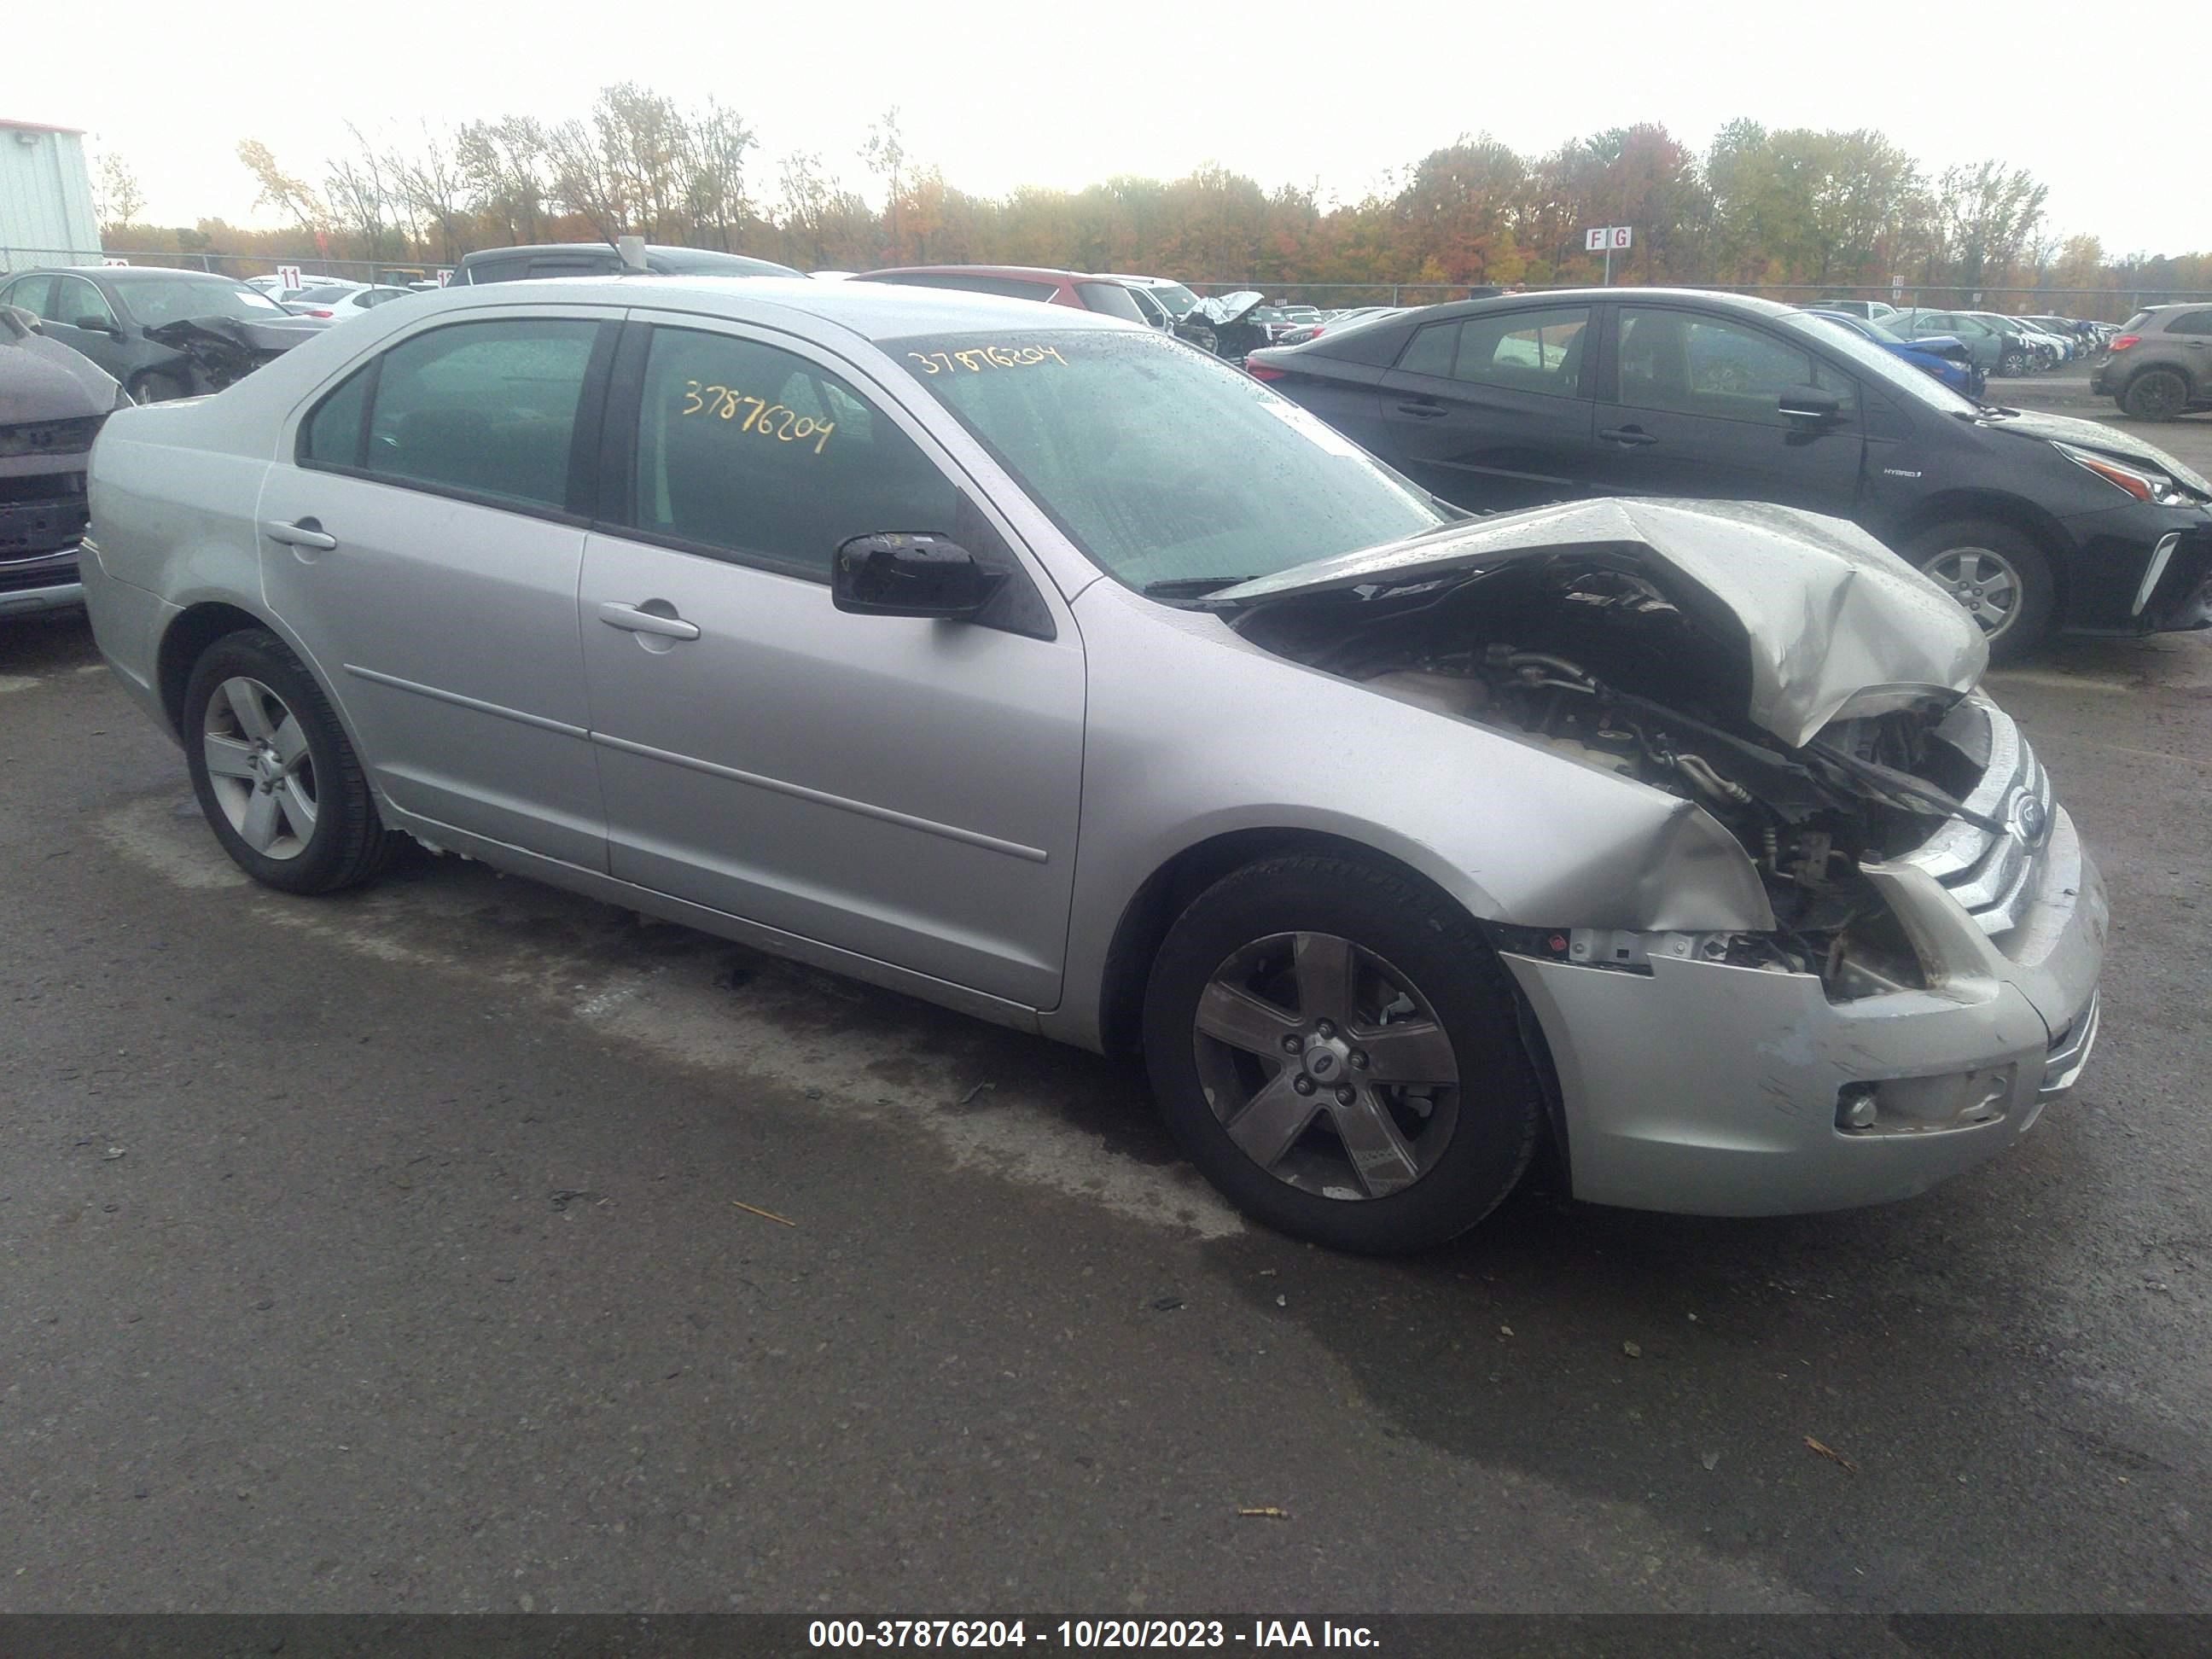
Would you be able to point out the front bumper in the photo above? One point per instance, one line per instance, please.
(47, 582)
(1706, 1089)
(2140, 568)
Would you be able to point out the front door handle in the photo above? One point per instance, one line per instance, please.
(628, 617)
(304, 532)
(1426, 410)
(1628, 437)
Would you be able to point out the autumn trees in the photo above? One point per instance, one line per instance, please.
(1786, 209)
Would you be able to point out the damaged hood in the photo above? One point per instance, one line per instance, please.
(1822, 612)
(267, 338)
(2095, 434)
(1226, 308)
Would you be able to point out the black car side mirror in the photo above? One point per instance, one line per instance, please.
(901, 574)
(97, 324)
(1810, 405)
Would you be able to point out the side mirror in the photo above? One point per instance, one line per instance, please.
(96, 325)
(897, 574)
(1810, 405)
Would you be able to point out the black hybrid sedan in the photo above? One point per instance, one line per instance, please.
(2033, 522)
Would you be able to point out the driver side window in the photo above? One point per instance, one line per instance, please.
(76, 301)
(755, 453)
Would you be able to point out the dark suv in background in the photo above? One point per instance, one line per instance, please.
(2032, 522)
(2160, 363)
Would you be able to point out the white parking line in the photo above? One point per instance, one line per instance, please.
(684, 1011)
(15, 683)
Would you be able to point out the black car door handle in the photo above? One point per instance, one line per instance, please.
(1426, 410)
(1628, 437)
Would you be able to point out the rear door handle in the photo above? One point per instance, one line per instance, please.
(305, 532)
(1628, 437)
(1426, 410)
(629, 617)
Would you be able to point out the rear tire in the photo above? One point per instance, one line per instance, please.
(156, 387)
(2157, 394)
(1997, 575)
(1422, 1110)
(277, 780)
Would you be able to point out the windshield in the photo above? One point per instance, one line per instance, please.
(1870, 359)
(1161, 464)
(157, 300)
(1174, 296)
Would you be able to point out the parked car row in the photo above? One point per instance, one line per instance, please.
(1092, 686)
(2032, 522)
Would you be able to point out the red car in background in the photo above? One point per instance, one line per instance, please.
(1059, 288)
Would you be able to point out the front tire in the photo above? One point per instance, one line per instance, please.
(1336, 1049)
(1998, 576)
(155, 387)
(2157, 394)
(279, 784)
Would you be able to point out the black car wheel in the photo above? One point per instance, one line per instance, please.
(279, 784)
(2000, 578)
(2157, 394)
(1336, 1049)
(155, 387)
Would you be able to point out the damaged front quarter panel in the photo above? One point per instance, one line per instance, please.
(224, 350)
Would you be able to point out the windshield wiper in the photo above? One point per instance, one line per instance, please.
(1174, 587)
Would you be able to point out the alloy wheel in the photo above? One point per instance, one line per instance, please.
(1326, 1066)
(1983, 581)
(260, 767)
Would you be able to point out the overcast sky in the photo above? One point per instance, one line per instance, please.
(1002, 94)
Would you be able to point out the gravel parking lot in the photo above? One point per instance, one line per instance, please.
(403, 1251)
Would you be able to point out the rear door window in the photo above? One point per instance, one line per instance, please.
(1429, 351)
(758, 453)
(484, 410)
(1540, 351)
(32, 294)
(2191, 322)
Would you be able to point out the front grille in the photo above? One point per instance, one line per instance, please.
(32, 529)
(71, 437)
(1992, 874)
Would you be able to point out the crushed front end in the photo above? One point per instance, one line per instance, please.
(1925, 981)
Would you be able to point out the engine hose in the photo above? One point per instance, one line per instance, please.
(1695, 768)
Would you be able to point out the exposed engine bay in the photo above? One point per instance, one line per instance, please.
(1588, 658)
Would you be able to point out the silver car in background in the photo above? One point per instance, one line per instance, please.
(1030, 664)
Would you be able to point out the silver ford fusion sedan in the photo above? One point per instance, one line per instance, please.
(1036, 665)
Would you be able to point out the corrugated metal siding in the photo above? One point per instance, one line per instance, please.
(46, 200)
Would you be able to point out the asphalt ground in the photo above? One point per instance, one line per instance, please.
(387, 1253)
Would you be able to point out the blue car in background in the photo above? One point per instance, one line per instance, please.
(1943, 355)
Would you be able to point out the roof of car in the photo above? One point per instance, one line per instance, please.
(146, 271)
(1749, 304)
(874, 311)
(1033, 273)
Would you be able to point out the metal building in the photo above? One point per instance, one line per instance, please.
(45, 197)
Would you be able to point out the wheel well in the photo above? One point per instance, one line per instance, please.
(198, 627)
(2029, 520)
(2180, 371)
(1169, 893)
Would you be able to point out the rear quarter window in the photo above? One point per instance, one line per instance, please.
(1111, 300)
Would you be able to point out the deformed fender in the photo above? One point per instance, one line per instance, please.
(1514, 832)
